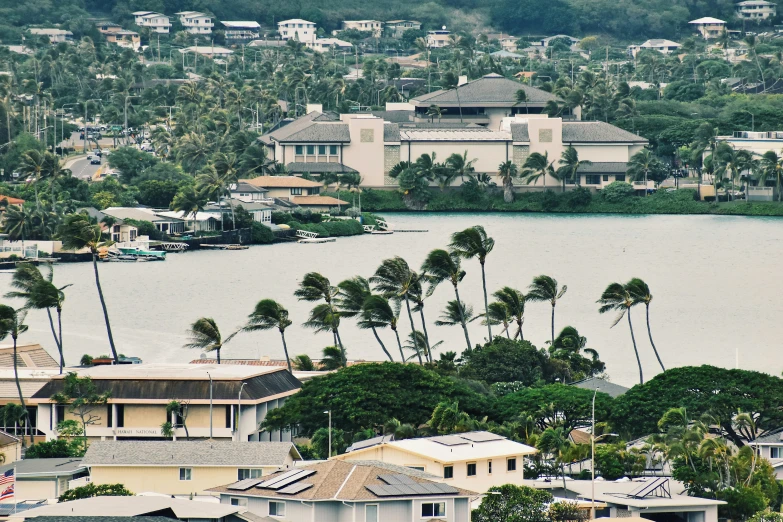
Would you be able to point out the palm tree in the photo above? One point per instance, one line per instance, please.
(570, 165)
(555, 442)
(395, 280)
(772, 167)
(474, 242)
(750, 41)
(33, 164)
(12, 323)
(205, 335)
(19, 222)
(433, 111)
(521, 97)
(731, 163)
(545, 288)
(333, 358)
(640, 294)
(353, 294)
(507, 171)
(498, 315)
(455, 313)
(76, 233)
(379, 312)
(537, 166)
(188, 201)
(514, 301)
(616, 298)
(303, 363)
(440, 266)
(269, 314)
(460, 165)
(640, 165)
(315, 287)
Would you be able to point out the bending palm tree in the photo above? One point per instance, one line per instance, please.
(455, 313)
(440, 266)
(570, 164)
(395, 280)
(417, 298)
(353, 295)
(474, 242)
(640, 294)
(269, 314)
(12, 323)
(537, 166)
(498, 315)
(205, 335)
(616, 298)
(544, 288)
(315, 287)
(514, 301)
(76, 233)
(379, 312)
(507, 171)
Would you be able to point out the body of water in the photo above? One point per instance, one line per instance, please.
(711, 276)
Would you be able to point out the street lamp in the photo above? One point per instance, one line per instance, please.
(126, 116)
(210, 405)
(84, 147)
(752, 121)
(239, 413)
(169, 107)
(330, 432)
(593, 439)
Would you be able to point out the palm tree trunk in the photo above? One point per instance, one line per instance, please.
(383, 347)
(553, 324)
(426, 336)
(399, 344)
(60, 328)
(519, 333)
(285, 351)
(462, 317)
(342, 348)
(649, 333)
(56, 341)
(633, 339)
(105, 311)
(508, 335)
(413, 329)
(19, 389)
(486, 301)
(217, 350)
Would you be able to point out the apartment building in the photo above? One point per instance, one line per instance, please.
(157, 22)
(709, 27)
(368, 26)
(297, 29)
(195, 22)
(396, 28)
(241, 31)
(755, 9)
(223, 402)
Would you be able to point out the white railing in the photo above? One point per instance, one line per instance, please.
(306, 235)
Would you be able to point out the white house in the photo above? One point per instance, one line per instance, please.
(709, 27)
(755, 9)
(54, 35)
(770, 446)
(323, 45)
(198, 222)
(297, 29)
(369, 26)
(660, 45)
(159, 23)
(241, 31)
(195, 22)
(439, 38)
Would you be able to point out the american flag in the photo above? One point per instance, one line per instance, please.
(7, 482)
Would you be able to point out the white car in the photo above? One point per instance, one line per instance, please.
(105, 152)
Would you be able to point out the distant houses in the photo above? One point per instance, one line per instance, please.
(195, 22)
(297, 29)
(755, 10)
(240, 31)
(396, 28)
(157, 22)
(374, 27)
(54, 35)
(661, 45)
(709, 27)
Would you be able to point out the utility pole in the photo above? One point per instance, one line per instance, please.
(210, 405)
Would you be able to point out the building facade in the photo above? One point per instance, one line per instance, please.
(241, 31)
(660, 45)
(438, 39)
(195, 22)
(396, 28)
(297, 29)
(54, 35)
(157, 22)
(368, 26)
(127, 39)
(709, 27)
(755, 9)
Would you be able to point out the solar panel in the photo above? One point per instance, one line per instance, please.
(278, 478)
(290, 480)
(481, 436)
(449, 440)
(407, 490)
(293, 489)
(445, 488)
(244, 485)
(397, 478)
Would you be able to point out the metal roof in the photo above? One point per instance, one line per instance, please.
(189, 453)
(320, 132)
(597, 132)
(45, 467)
(317, 167)
(491, 90)
(604, 167)
(134, 506)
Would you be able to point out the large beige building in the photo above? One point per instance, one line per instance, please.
(297, 29)
(709, 27)
(370, 26)
(182, 468)
(755, 9)
(223, 402)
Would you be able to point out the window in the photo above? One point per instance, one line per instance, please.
(322, 150)
(311, 149)
(333, 150)
(296, 191)
(299, 149)
(619, 177)
(185, 473)
(244, 473)
(774, 453)
(238, 501)
(448, 472)
(433, 509)
(472, 469)
(417, 468)
(313, 191)
(120, 415)
(276, 509)
(371, 513)
(489, 467)
(593, 179)
(511, 465)
(606, 177)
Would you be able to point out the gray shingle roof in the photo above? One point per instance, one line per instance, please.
(188, 453)
(102, 519)
(391, 132)
(597, 132)
(773, 437)
(491, 90)
(46, 467)
(320, 132)
(591, 383)
(604, 167)
(317, 167)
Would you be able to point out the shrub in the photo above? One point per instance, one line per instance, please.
(549, 201)
(617, 192)
(261, 234)
(91, 490)
(579, 197)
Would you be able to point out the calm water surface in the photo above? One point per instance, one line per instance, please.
(712, 277)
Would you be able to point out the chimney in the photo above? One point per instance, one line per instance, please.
(264, 358)
(462, 80)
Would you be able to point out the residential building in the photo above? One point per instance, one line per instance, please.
(755, 9)
(544, 42)
(198, 222)
(157, 22)
(299, 191)
(438, 38)
(261, 212)
(195, 22)
(709, 27)
(240, 31)
(105, 27)
(485, 101)
(757, 143)
(602, 385)
(477, 460)
(184, 467)
(19, 49)
(396, 28)
(325, 45)
(128, 39)
(660, 45)
(34, 374)
(209, 51)
(28, 249)
(770, 446)
(140, 508)
(508, 43)
(297, 29)
(122, 233)
(368, 26)
(167, 225)
(54, 35)
(350, 491)
(139, 394)
(46, 479)
(248, 193)
(10, 447)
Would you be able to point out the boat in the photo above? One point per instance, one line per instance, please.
(141, 247)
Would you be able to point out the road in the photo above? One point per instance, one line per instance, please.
(82, 169)
(77, 143)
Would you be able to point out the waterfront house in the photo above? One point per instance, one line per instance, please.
(297, 29)
(28, 249)
(755, 9)
(167, 225)
(158, 23)
(374, 27)
(240, 31)
(350, 491)
(770, 446)
(55, 35)
(198, 222)
(396, 28)
(139, 394)
(248, 193)
(261, 212)
(302, 192)
(195, 22)
(709, 27)
(46, 479)
(661, 45)
(184, 467)
(475, 460)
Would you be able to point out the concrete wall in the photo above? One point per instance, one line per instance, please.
(488, 154)
(166, 480)
(366, 151)
(142, 415)
(37, 489)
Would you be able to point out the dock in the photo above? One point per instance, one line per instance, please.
(384, 226)
(409, 230)
(225, 247)
(317, 240)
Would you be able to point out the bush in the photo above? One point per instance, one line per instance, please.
(146, 228)
(579, 197)
(261, 234)
(54, 449)
(91, 490)
(617, 192)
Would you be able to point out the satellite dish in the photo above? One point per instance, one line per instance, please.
(202, 356)
(444, 27)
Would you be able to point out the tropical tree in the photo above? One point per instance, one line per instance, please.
(333, 358)
(76, 233)
(507, 171)
(454, 313)
(434, 111)
(440, 266)
(545, 288)
(12, 323)
(514, 301)
(521, 97)
(205, 335)
(189, 201)
(640, 294)
(353, 294)
(178, 409)
(617, 299)
(730, 164)
(379, 312)
(460, 165)
(555, 442)
(570, 165)
(269, 314)
(474, 242)
(537, 166)
(324, 317)
(498, 315)
(772, 168)
(640, 166)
